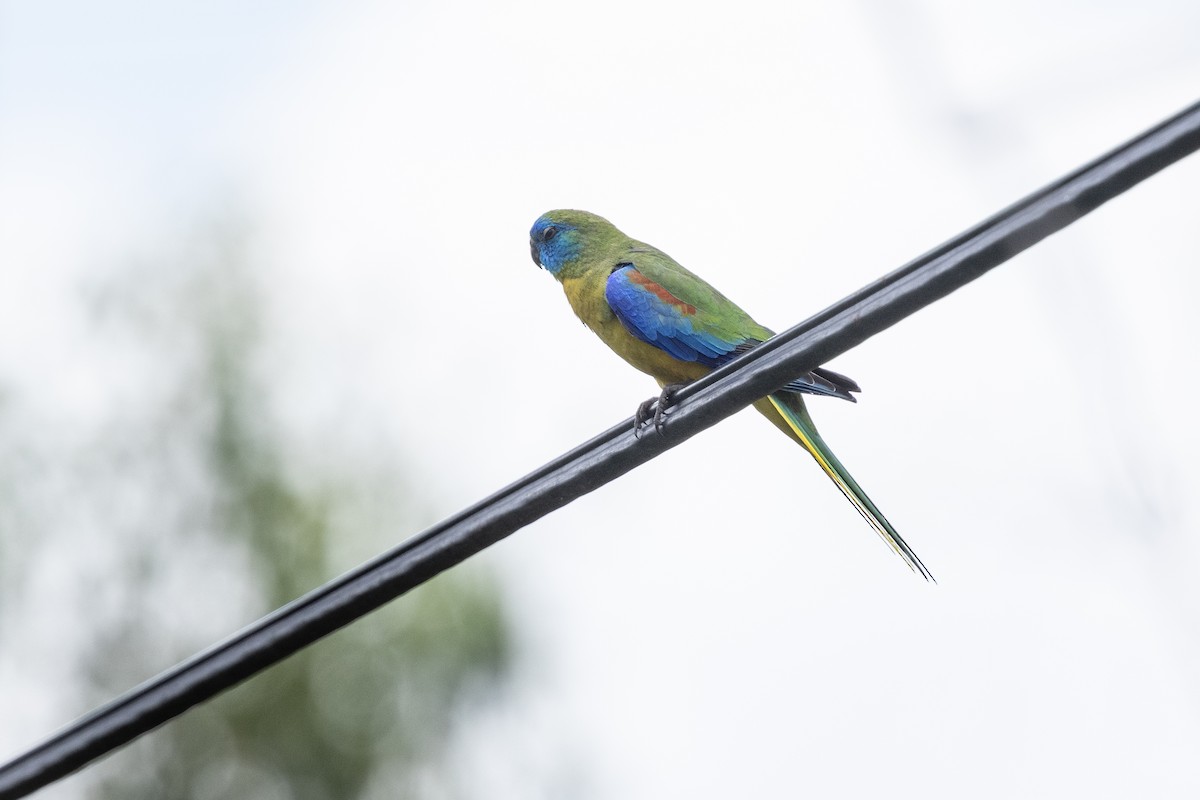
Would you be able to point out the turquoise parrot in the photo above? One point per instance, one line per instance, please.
(670, 324)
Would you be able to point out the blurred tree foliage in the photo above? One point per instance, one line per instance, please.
(202, 514)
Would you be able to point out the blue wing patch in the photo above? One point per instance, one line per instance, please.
(657, 317)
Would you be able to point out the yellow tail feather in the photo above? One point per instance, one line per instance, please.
(791, 409)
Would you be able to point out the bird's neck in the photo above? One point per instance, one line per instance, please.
(573, 270)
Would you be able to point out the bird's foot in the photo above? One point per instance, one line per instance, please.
(660, 405)
(642, 414)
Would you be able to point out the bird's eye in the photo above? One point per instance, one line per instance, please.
(549, 233)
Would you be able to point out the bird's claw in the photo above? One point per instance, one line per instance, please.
(659, 415)
(642, 414)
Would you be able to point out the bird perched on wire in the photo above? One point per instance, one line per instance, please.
(673, 326)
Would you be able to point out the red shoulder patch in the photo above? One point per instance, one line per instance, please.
(660, 292)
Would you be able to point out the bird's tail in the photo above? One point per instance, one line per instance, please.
(791, 408)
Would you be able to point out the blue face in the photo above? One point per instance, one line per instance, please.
(552, 244)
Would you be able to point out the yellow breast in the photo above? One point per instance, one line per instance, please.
(586, 296)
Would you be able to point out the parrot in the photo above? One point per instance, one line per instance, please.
(670, 324)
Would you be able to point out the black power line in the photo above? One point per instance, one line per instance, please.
(604, 458)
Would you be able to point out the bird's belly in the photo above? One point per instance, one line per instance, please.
(659, 364)
(586, 297)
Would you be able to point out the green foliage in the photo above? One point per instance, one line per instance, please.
(215, 514)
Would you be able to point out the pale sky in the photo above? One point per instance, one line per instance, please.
(719, 622)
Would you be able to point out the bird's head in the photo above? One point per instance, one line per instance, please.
(561, 238)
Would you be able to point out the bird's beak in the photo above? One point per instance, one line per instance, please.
(533, 252)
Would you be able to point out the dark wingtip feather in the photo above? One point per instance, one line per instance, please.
(824, 382)
(838, 379)
(821, 381)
